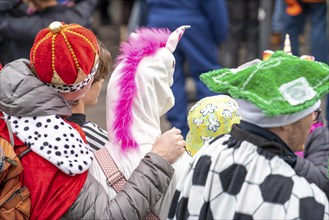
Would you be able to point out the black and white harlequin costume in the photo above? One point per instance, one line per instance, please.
(246, 174)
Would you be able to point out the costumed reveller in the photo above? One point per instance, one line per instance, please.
(315, 165)
(252, 172)
(138, 94)
(208, 118)
(297, 14)
(34, 99)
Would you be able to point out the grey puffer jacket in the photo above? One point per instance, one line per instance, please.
(314, 165)
(144, 188)
(19, 87)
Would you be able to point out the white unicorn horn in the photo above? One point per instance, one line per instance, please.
(175, 37)
(287, 45)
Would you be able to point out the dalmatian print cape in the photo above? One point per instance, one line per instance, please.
(232, 179)
(54, 140)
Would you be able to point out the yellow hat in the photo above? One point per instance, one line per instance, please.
(208, 118)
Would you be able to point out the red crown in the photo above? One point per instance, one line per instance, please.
(64, 54)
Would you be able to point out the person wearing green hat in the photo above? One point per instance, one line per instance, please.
(252, 172)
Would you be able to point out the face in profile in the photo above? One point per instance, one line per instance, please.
(91, 97)
(104, 67)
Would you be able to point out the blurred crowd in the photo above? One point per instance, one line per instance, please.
(236, 31)
(263, 22)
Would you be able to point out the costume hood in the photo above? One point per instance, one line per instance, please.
(139, 89)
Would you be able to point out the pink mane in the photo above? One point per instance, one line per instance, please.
(148, 41)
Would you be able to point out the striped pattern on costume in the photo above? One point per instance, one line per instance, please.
(96, 136)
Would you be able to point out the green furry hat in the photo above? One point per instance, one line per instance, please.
(283, 84)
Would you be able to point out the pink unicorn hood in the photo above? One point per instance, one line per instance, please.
(139, 91)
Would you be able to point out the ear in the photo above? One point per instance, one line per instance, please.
(175, 37)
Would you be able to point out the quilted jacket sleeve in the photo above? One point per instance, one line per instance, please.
(314, 167)
(144, 188)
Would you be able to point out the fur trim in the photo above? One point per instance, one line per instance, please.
(145, 43)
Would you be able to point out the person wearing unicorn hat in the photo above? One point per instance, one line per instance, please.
(35, 97)
(138, 94)
(252, 172)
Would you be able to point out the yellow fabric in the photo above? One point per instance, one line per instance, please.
(208, 118)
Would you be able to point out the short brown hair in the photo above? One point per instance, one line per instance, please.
(105, 63)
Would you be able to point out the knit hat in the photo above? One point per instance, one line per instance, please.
(65, 56)
(208, 118)
(283, 85)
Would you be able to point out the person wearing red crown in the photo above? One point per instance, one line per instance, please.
(35, 98)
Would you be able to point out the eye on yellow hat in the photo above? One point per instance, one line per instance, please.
(208, 118)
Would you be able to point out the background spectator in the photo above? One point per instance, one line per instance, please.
(295, 22)
(198, 51)
(18, 30)
(243, 32)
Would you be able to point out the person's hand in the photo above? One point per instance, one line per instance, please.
(170, 145)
